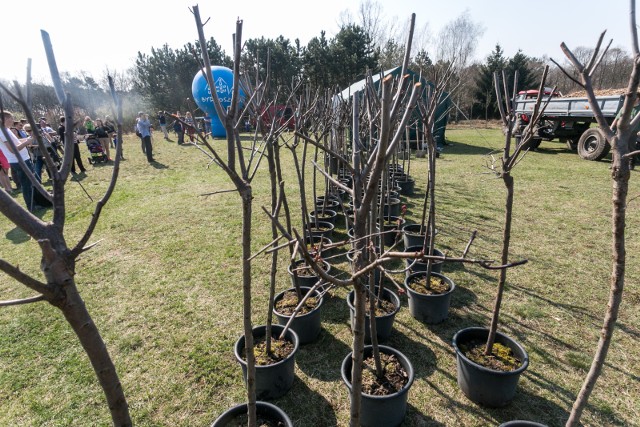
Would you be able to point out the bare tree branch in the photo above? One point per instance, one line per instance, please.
(22, 301)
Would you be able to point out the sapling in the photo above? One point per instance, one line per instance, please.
(623, 149)
(510, 158)
(58, 262)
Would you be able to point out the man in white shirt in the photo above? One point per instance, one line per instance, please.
(21, 147)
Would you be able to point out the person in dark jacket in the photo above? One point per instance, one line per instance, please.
(77, 158)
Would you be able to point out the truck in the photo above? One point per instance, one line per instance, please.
(568, 120)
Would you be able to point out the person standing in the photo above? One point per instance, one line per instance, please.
(162, 120)
(179, 128)
(110, 126)
(190, 125)
(143, 126)
(5, 182)
(77, 158)
(207, 125)
(12, 157)
(102, 133)
(88, 125)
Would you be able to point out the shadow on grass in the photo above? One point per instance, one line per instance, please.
(576, 309)
(460, 148)
(422, 357)
(322, 358)
(17, 236)
(158, 165)
(414, 417)
(528, 406)
(311, 410)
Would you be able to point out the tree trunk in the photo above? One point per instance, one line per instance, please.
(247, 197)
(620, 187)
(358, 340)
(76, 313)
(59, 271)
(506, 237)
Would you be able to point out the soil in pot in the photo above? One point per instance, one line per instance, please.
(303, 270)
(483, 385)
(395, 377)
(380, 409)
(382, 307)
(261, 421)
(502, 358)
(321, 228)
(289, 302)
(318, 244)
(437, 285)
(308, 321)
(386, 311)
(268, 415)
(280, 349)
(327, 215)
(275, 373)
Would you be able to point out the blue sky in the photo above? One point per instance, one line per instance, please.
(92, 36)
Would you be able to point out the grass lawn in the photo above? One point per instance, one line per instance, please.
(164, 288)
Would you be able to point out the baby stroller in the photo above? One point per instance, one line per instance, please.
(95, 149)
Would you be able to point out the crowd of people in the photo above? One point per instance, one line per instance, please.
(25, 146)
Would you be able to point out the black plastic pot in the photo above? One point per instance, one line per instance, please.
(391, 207)
(375, 238)
(307, 281)
(436, 265)
(407, 185)
(316, 240)
(327, 216)
(384, 324)
(483, 385)
(395, 168)
(308, 325)
(324, 228)
(429, 308)
(412, 235)
(381, 411)
(395, 223)
(272, 381)
(333, 203)
(521, 423)
(265, 410)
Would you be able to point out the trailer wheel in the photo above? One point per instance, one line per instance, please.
(593, 145)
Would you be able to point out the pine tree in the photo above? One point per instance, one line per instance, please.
(484, 95)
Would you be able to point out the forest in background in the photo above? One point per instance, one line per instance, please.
(161, 79)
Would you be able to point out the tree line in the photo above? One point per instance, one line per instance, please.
(161, 79)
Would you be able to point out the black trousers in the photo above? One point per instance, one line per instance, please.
(77, 159)
(148, 149)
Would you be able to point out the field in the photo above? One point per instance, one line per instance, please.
(163, 286)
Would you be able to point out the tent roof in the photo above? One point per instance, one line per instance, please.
(359, 85)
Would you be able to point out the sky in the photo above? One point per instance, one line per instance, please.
(94, 36)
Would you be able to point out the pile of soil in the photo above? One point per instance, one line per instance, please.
(500, 359)
(289, 302)
(383, 307)
(303, 270)
(600, 92)
(280, 350)
(393, 380)
(436, 285)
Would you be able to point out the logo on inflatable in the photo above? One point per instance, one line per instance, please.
(223, 79)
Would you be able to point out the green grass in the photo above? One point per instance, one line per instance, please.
(163, 286)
